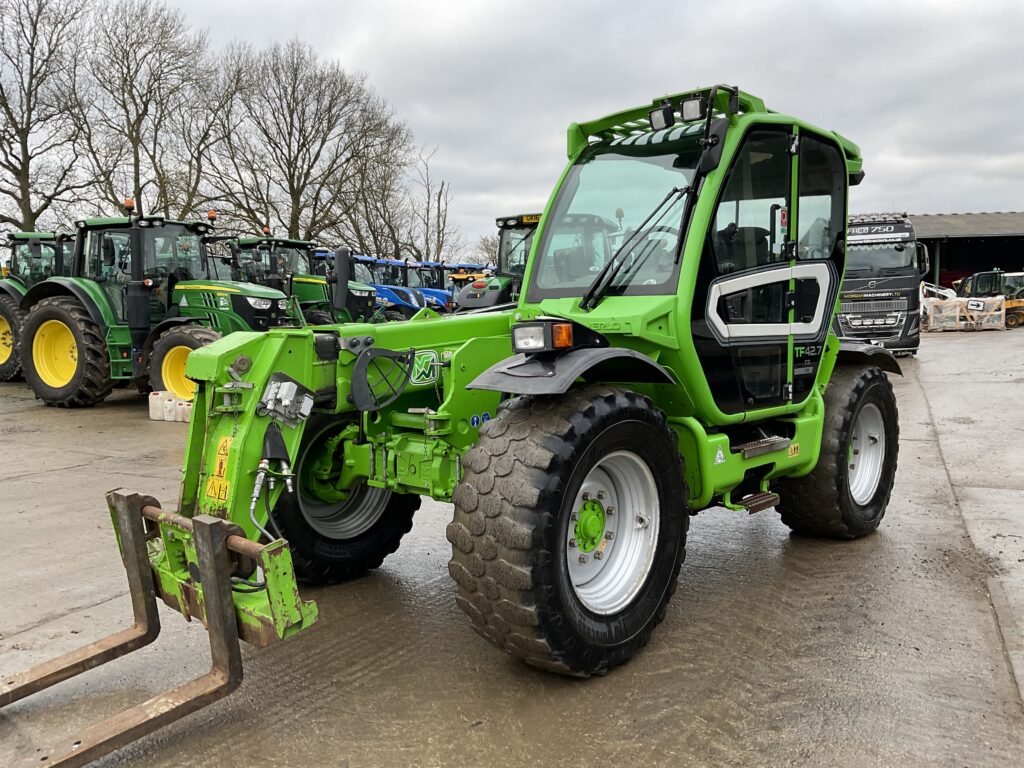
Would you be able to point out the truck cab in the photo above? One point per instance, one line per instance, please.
(880, 297)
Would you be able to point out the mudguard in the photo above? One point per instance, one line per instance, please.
(868, 354)
(57, 287)
(554, 374)
(163, 325)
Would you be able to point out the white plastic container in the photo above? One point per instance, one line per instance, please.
(188, 412)
(179, 410)
(169, 406)
(156, 405)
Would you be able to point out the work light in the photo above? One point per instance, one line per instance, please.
(693, 109)
(662, 117)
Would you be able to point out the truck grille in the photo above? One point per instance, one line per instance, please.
(882, 307)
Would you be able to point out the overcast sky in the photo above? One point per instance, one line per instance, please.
(933, 92)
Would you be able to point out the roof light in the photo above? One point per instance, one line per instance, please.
(693, 109)
(211, 215)
(266, 230)
(662, 117)
(129, 204)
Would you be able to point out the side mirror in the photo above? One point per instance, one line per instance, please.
(236, 254)
(109, 259)
(342, 272)
(711, 156)
(35, 249)
(923, 262)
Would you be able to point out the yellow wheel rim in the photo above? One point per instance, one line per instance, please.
(172, 371)
(6, 341)
(55, 354)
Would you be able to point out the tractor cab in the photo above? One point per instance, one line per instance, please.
(515, 237)
(36, 256)
(429, 278)
(387, 277)
(459, 275)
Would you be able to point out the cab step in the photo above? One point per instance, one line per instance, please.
(759, 501)
(762, 446)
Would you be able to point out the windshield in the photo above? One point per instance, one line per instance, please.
(877, 256)
(415, 279)
(388, 274)
(513, 250)
(291, 261)
(1013, 285)
(173, 250)
(604, 198)
(361, 272)
(28, 267)
(429, 277)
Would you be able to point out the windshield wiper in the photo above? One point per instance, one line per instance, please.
(603, 280)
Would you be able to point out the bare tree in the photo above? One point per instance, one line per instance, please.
(433, 237)
(39, 40)
(300, 140)
(486, 249)
(146, 67)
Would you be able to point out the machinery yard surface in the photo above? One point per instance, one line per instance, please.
(897, 649)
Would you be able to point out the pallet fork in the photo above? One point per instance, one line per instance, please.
(136, 519)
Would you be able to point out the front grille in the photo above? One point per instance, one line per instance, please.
(879, 307)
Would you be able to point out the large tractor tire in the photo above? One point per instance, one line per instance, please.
(846, 494)
(336, 536)
(170, 353)
(318, 317)
(63, 354)
(570, 528)
(12, 317)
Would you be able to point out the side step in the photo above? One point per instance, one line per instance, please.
(212, 544)
(757, 502)
(762, 446)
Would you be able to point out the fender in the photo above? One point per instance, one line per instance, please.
(58, 287)
(535, 375)
(12, 288)
(851, 351)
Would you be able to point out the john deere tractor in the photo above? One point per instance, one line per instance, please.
(137, 296)
(301, 269)
(515, 236)
(33, 257)
(690, 365)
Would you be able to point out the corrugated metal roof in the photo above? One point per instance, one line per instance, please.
(1009, 224)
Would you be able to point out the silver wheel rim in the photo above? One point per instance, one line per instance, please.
(608, 578)
(866, 454)
(344, 520)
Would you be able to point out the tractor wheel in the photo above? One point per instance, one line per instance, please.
(846, 494)
(1013, 320)
(170, 353)
(12, 317)
(318, 317)
(393, 315)
(569, 529)
(63, 354)
(336, 535)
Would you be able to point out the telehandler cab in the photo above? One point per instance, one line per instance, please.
(34, 257)
(690, 366)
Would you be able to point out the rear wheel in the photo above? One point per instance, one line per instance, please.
(63, 354)
(845, 496)
(11, 320)
(336, 535)
(170, 353)
(1013, 319)
(569, 528)
(318, 317)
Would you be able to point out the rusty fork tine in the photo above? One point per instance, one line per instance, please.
(224, 676)
(127, 510)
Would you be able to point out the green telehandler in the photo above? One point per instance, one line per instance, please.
(34, 257)
(632, 386)
(515, 236)
(138, 296)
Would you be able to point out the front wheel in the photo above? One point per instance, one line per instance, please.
(337, 534)
(318, 317)
(170, 353)
(569, 528)
(11, 320)
(845, 496)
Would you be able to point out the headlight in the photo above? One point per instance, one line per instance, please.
(361, 294)
(281, 304)
(257, 303)
(537, 337)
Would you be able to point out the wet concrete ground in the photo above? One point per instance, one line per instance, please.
(898, 649)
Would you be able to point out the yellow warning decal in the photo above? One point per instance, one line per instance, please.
(217, 489)
(794, 450)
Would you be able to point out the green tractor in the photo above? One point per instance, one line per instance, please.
(689, 366)
(515, 237)
(300, 268)
(34, 257)
(138, 295)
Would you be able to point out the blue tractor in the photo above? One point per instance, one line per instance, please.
(386, 277)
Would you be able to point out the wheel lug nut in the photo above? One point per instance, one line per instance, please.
(609, 511)
(600, 494)
(572, 542)
(610, 535)
(575, 515)
(586, 496)
(583, 559)
(598, 555)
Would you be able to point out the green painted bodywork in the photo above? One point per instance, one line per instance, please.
(415, 444)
